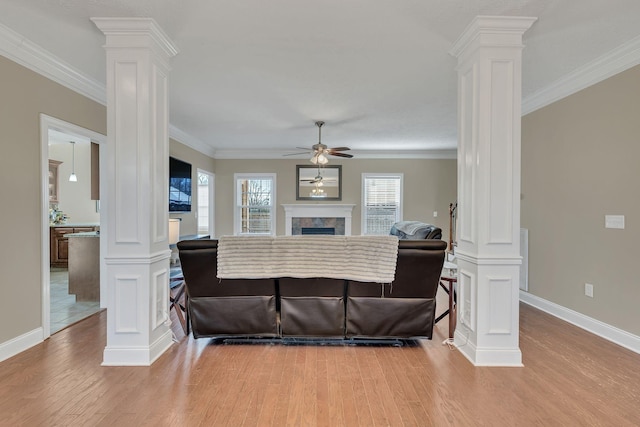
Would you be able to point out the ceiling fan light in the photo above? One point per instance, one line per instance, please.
(314, 160)
(322, 159)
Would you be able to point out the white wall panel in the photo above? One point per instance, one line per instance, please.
(160, 297)
(126, 304)
(500, 186)
(126, 201)
(466, 153)
(500, 301)
(467, 298)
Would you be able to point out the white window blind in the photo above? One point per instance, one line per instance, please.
(382, 202)
(255, 201)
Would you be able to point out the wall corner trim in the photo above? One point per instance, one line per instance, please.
(601, 329)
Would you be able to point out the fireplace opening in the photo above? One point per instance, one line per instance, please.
(318, 231)
(330, 225)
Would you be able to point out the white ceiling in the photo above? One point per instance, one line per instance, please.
(254, 75)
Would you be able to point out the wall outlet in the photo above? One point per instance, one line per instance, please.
(588, 290)
(614, 221)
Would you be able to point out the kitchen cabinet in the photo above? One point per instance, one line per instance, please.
(95, 171)
(59, 243)
(84, 266)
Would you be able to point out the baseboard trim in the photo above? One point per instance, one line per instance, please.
(495, 357)
(601, 329)
(137, 356)
(19, 344)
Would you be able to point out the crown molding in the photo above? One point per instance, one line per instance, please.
(32, 56)
(616, 61)
(406, 154)
(188, 140)
(369, 154)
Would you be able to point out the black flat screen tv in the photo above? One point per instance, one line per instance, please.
(179, 186)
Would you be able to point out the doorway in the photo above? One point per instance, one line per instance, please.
(66, 151)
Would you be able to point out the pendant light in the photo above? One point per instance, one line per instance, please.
(73, 177)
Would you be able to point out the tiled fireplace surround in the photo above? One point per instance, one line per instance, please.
(298, 216)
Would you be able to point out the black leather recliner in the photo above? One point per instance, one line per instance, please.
(283, 307)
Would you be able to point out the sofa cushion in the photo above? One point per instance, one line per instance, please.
(233, 316)
(312, 307)
(312, 316)
(390, 317)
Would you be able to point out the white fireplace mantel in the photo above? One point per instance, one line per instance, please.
(312, 210)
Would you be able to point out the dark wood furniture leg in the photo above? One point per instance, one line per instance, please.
(174, 303)
(451, 311)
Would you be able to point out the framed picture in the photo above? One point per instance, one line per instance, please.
(318, 182)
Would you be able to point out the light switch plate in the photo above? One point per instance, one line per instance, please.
(614, 221)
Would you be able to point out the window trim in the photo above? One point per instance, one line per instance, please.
(363, 209)
(237, 223)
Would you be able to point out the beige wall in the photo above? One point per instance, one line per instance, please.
(23, 96)
(580, 162)
(189, 223)
(429, 185)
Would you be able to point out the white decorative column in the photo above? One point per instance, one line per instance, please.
(137, 257)
(489, 56)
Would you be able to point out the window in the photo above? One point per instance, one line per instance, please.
(381, 202)
(205, 203)
(255, 196)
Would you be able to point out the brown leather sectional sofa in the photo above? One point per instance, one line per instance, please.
(284, 307)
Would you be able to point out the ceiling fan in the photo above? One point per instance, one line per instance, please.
(319, 151)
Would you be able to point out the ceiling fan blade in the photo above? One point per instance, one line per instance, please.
(339, 149)
(293, 154)
(348, 156)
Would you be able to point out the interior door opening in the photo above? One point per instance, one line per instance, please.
(73, 271)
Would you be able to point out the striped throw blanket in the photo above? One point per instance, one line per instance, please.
(360, 258)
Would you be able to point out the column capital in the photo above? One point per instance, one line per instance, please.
(135, 32)
(492, 31)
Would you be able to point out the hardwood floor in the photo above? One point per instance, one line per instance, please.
(570, 378)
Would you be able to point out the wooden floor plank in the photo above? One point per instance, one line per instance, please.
(570, 377)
